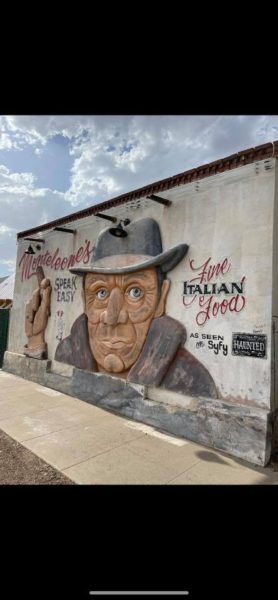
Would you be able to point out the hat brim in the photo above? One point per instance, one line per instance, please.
(113, 265)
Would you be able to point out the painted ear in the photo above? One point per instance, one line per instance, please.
(160, 310)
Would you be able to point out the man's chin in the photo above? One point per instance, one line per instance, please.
(113, 364)
(116, 363)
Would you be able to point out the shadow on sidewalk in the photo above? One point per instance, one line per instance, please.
(270, 472)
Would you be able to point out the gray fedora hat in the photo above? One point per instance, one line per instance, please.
(140, 249)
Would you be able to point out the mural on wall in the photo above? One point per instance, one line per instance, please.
(60, 324)
(249, 344)
(210, 341)
(124, 330)
(201, 292)
(29, 264)
(37, 311)
(65, 288)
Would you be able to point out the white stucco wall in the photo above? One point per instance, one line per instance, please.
(227, 218)
(275, 297)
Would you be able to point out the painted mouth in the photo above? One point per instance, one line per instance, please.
(116, 343)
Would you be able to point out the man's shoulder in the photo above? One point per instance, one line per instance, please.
(63, 351)
(75, 348)
(188, 375)
(79, 325)
(164, 337)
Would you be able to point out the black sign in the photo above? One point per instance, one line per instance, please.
(249, 344)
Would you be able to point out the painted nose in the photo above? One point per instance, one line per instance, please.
(115, 313)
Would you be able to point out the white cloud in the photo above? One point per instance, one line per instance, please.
(22, 205)
(5, 141)
(38, 129)
(113, 155)
(10, 180)
(120, 154)
(9, 264)
(4, 229)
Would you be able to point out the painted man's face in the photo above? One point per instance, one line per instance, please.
(120, 309)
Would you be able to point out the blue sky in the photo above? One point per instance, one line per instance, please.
(52, 165)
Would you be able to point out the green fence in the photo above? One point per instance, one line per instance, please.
(4, 327)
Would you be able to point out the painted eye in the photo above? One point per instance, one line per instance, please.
(135, 293)
(102, 294)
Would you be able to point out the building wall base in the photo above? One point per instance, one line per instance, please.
(244, 432)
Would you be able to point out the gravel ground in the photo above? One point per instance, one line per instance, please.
(20, 466)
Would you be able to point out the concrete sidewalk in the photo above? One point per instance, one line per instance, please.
(94, 446)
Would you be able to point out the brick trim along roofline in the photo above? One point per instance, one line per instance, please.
(233, 161)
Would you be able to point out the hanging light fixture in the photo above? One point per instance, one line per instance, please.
(119, 231)
(30, 250)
